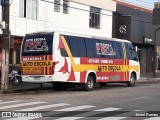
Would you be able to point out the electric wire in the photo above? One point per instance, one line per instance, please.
(145, 21)
(111, 15)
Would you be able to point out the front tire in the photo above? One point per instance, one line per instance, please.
(89, 85)
(132, 81)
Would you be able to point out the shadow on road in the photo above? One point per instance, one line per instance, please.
(28, 88)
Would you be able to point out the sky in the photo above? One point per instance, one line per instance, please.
(144, 3)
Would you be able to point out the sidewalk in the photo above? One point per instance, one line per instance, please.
(149, 77)
(25, 87)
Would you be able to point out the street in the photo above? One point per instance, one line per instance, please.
(56, 58)
(114, 102)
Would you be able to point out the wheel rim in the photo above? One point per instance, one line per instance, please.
(90, 83)
(132, 80)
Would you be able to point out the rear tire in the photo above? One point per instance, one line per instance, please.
(89, 85)
(132, 81)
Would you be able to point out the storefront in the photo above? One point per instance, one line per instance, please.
(135, 24)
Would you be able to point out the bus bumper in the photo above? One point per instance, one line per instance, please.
(37, 79)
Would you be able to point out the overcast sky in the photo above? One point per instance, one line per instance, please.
(145, 3)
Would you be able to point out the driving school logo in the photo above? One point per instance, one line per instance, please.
(37, 63)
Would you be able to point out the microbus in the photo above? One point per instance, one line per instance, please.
(62, 58)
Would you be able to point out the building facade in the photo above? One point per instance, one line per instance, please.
(89, 17)
(135, 24)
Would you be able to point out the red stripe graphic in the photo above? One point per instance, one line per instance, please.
(64, 69)
(101, 61)
(72, 76)
(61, 44)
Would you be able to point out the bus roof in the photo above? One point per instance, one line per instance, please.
(80, 35)
(90, 36)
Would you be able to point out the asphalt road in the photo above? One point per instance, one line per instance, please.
(114, 102)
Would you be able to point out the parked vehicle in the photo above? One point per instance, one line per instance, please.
(63, 58)
(15, 78)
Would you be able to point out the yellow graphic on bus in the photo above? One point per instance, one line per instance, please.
(32, 70)
(37, 63)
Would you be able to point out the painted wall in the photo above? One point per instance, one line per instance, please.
(76, 21)
(108, 5)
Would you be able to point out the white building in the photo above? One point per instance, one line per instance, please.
(92, 17)
(66, 15)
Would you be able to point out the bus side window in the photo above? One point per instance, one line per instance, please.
(73, 46)
(82, 47)
(131, 53)
(121, 49)
(110, 50)
(63, 51)
(89, 46)
(134, 54)
(97, 48)
(116, 50)
(127, 51)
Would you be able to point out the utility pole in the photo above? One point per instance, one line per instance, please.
(5, 46)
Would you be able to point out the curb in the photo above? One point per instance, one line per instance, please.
(143, 79)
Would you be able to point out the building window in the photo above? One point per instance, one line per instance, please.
(65, 6)
(94, 20)
(28, 8)
(57, 5)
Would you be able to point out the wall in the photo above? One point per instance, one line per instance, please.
(141, 22)
(109, 5)
(138, 22)
(141, 28)
(76, 21)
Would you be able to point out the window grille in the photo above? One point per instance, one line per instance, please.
(94, 20)
(57, 6)
(65, 6)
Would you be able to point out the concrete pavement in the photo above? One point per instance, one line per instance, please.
(149, 77)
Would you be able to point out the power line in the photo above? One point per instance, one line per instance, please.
(144, 2)
(133, 2)
(111, 15)
(99, 13)
(137, 1)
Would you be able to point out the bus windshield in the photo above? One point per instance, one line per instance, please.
(37, 44)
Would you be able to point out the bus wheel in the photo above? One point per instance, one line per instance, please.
(103, 84)
(132, 81)
(89, 85)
